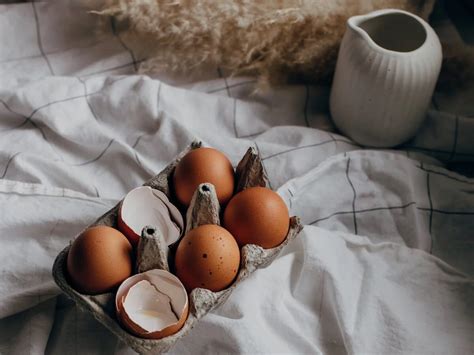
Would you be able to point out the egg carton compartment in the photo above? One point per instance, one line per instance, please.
(153, 253)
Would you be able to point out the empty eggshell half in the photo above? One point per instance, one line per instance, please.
(152, 305)
(146, 206)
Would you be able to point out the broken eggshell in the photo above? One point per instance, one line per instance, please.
(146, 206)
(152, 305)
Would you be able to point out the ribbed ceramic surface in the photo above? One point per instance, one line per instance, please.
(380, 97)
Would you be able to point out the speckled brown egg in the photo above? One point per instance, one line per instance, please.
(200, 166)
(207, 257)
(99, 260)
(259, 216)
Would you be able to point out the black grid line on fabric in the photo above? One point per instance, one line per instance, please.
(363, 211)
(438, 151)
(35, 125)
(321, 301)
(96, 191)
(306, 103)
(158, 97)
(234, 117)
(138, 160)
(86, 96)
(113, 68)
(30, 120)
(15, 127)
(55, 102)
(219, 72)
(291, 198)
(21, 58)
(457, 213)
(85, 199)
(311, 146)
(15, 113)
(93, 44)
(444, 174)
(138, 140)
(354, 197)
(10, 109)
(59, 155)
(455, 140)
(253, 134)
(61, 100)
(231, 86)
(38, 37)
(122, 43)
(96, 158)
(263, 165)
(428, 189)
(8, 164)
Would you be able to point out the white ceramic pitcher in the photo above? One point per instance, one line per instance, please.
(386, 71)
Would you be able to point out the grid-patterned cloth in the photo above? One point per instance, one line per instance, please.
(384, 264)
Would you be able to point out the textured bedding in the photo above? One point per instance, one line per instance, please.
(385, 262)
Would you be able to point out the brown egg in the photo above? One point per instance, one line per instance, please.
(99, 260)
(207, 257)
(259, 216)
(199, 166)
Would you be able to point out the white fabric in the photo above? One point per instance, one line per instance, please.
(384, 264)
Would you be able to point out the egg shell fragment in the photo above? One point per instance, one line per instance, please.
(152, 305)
(146, 206)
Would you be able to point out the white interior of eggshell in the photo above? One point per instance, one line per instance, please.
(146, 206)
(153, 300)
(147, 306)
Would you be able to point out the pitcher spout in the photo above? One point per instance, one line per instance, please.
(390, 30)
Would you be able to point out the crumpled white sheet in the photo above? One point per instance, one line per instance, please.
(384, 264)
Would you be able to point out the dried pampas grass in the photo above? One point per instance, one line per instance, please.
(278, 40)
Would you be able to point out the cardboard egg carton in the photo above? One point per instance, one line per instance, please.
(153, 253)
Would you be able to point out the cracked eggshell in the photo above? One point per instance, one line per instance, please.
(146, 206)
(152, 305)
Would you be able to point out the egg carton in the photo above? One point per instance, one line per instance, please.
(153, 253)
